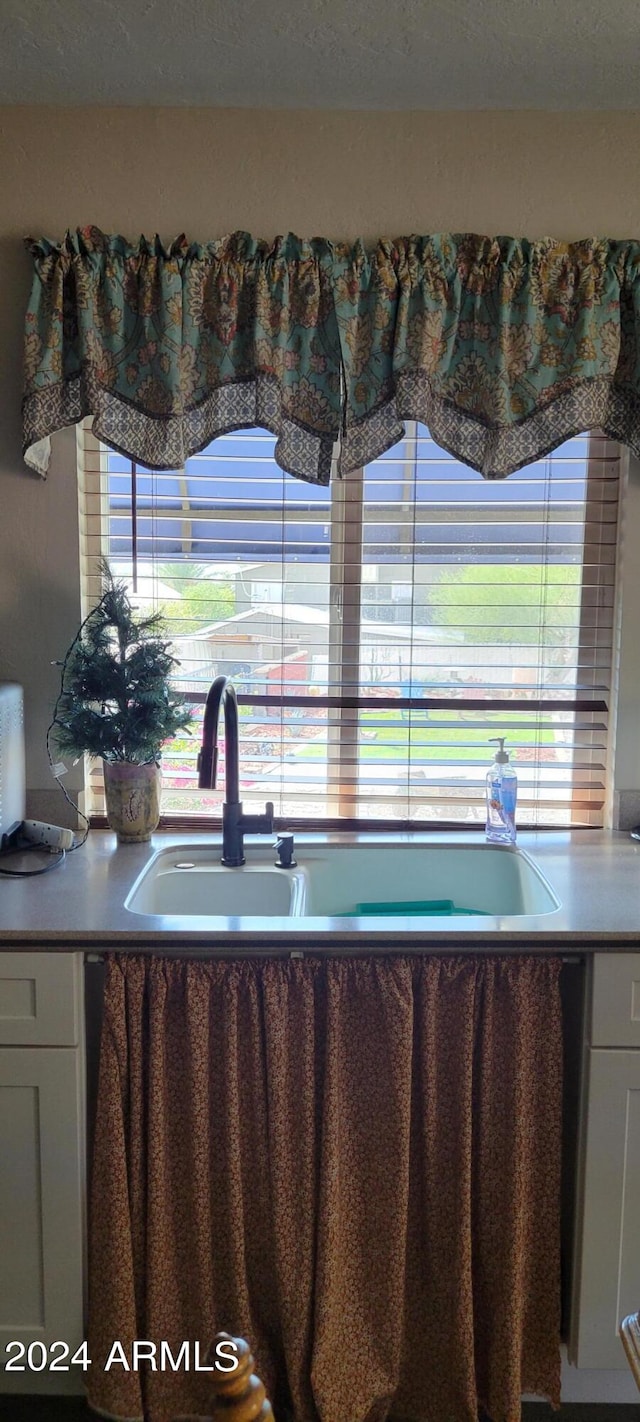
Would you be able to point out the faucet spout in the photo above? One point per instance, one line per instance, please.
(222, 693)
(235, 824)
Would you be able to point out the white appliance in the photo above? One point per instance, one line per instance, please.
(12, 759)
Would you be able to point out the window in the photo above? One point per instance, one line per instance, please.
(381, 631)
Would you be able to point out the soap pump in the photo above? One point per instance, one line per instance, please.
(502, 791)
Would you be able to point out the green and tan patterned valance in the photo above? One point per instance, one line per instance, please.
(503, 347)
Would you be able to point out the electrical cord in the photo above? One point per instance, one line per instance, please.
(58, 856)
(79, 843)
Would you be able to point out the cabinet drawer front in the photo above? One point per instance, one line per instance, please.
(40, 999)
(615, 1019)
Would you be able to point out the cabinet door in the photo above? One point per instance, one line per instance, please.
(610, 1245)
(41, 1209)
(40, 999)
(616, 1000)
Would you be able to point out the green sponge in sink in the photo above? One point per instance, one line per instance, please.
(434, 908)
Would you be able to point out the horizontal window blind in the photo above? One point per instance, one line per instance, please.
(381, 631)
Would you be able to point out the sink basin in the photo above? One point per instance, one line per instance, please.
(485, 878)
(190, 882)
(396, 877)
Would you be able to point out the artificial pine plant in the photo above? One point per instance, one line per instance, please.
(116, 700)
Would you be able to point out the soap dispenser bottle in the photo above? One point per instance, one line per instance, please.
(502, 790)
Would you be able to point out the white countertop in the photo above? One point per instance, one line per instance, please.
(595, 875)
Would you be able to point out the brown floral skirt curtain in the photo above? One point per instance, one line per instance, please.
(354, 1162)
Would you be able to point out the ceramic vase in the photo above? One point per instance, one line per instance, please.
(132, 794)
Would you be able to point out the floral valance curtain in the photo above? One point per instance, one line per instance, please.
(503, 347)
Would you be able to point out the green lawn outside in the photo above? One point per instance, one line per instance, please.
(431, 744)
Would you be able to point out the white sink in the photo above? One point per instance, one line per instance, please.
(189, 882)
(397, 877)
(485, 878)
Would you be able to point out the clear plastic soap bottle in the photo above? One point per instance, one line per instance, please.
(502, 792)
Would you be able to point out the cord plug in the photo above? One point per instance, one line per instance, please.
(11, 838)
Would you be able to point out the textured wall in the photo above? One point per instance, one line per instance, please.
(207, 171)
(483, 54)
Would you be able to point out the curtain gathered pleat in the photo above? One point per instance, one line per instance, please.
(167, 347)
(353, 1162)
(504, 347)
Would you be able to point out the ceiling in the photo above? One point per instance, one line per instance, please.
(359, 54)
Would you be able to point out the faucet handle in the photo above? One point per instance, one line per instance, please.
(253, 824)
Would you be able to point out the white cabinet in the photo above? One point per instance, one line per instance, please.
(610, 1256)
(42, 1177)
(608, 1239)
(615, 1008)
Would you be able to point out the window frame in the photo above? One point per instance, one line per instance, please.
(345, 605)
